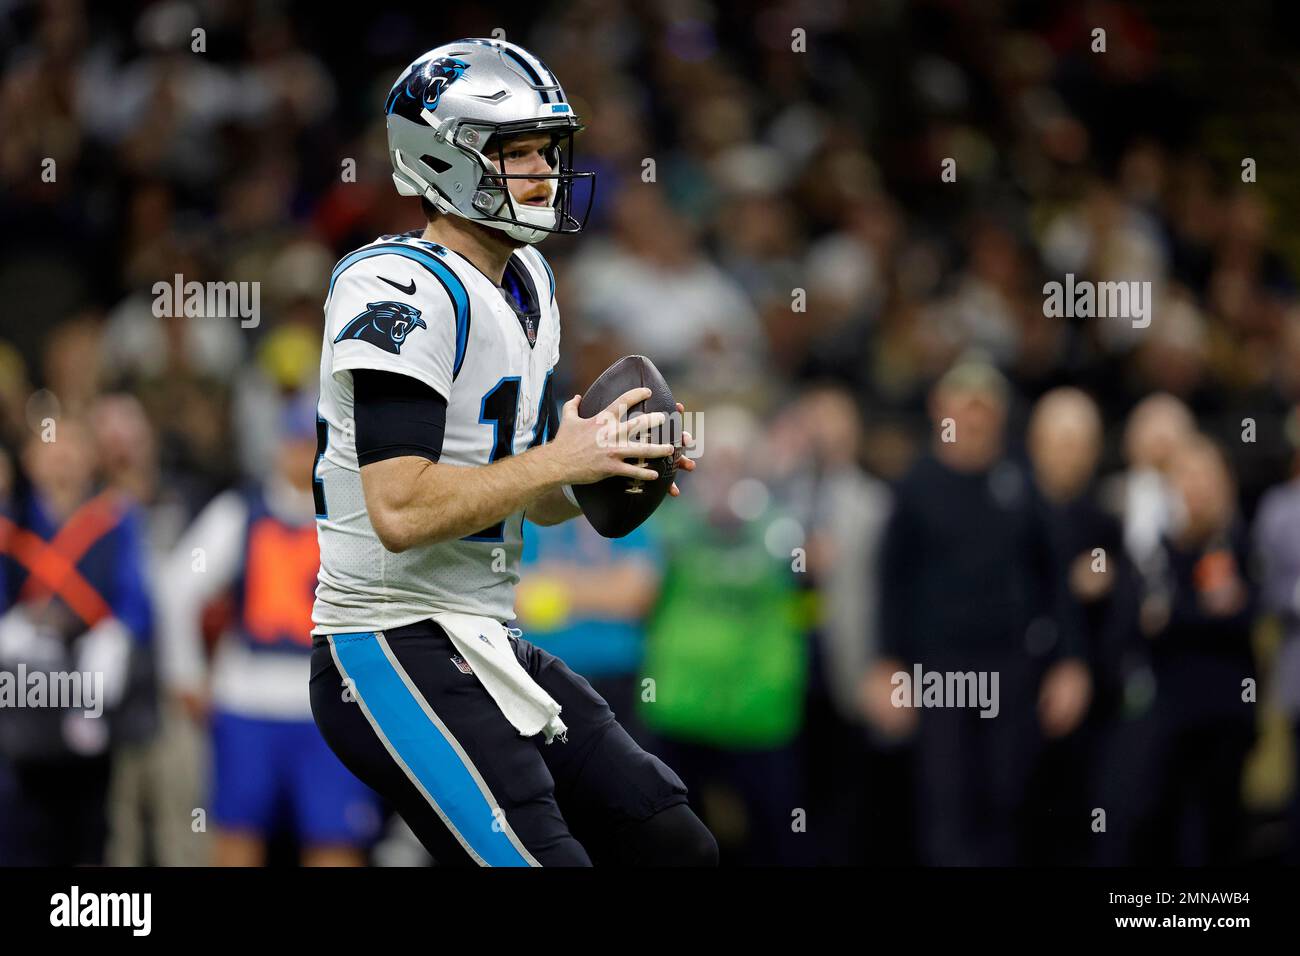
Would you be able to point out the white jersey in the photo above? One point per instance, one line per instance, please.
(406, 305)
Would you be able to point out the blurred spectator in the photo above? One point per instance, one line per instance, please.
(157, 781)
(1142, 496)
(1183, 800)
(1276, 542)
(75, 601)
(814, 448)
(15, 392)
(288, 361)
(815, 476)
(1065, 444)
(271, 768)
(652, 284)
(971, 584)
(726, 651)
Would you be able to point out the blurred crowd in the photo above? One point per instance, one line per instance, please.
(903, 460)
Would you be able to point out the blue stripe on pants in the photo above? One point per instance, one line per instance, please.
(427, 751)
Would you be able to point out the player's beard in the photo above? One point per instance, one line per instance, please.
(515, 212)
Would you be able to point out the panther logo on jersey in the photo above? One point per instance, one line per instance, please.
(385, 324)
(425, 86)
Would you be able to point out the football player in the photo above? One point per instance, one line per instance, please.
(438, 432)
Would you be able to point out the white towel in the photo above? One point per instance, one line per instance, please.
(484, 645)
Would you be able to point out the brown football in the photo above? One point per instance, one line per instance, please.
(616, 505)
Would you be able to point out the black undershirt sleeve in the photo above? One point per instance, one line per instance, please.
(396, 415)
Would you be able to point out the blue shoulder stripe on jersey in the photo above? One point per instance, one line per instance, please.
(449, 281)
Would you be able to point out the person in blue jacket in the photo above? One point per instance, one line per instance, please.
(75, 625)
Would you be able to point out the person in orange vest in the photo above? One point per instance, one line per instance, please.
(271, 768)
(75, 626)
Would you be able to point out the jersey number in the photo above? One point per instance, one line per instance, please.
(500, 409)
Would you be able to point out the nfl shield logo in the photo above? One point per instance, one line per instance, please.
(530, 329)
(462, 665)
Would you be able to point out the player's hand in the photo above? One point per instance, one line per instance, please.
(592, 449)
(679, 458)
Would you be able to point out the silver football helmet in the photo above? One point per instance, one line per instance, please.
(447, 116)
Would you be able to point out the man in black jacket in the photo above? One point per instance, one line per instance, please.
(971, 587)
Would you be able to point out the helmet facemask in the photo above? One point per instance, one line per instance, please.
(497, 207)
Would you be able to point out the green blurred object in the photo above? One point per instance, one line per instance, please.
(724, 646)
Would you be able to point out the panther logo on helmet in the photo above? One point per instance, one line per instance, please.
(425, 86)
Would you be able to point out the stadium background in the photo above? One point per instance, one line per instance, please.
(773, 171)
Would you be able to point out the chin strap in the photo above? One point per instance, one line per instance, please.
(520, 229)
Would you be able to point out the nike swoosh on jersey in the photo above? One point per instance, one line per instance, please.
(408, 289)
